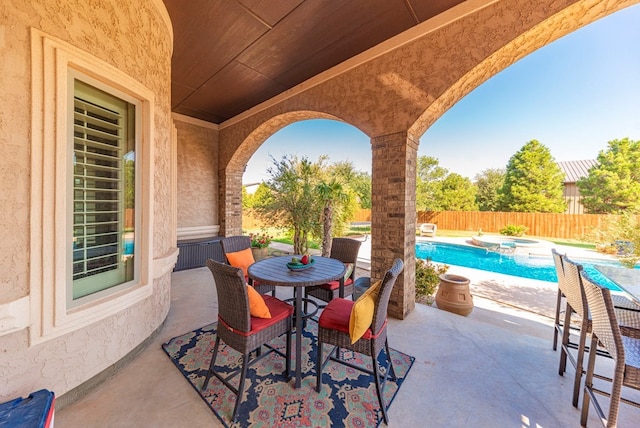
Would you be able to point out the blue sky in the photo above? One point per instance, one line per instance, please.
(573, 96)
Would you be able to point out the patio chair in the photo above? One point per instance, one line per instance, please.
(334, 329)
(576, 302)
(245, 333)
(619, 301)
(240, 249)
(428, 229)
(623, 344)
(345, 250)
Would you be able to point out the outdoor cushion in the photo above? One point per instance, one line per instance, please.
(278, 309)
(334, 285)
(241, 259)
(362, 312)
(336, 315)
(257, 305)
(347, 274)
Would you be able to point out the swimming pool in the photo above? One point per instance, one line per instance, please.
(523, 265)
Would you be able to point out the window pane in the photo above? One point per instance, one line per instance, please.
(103, 190)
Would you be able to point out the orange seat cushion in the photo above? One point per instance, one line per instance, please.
(279, 310)
(257, 305)
(241, 259)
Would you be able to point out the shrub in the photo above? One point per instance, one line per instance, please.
(260, 240)
(514, 230)
(427, 279)
(619, 235)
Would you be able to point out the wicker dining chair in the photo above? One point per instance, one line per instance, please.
(619, 301)
(576, 302)
(623, 344)
(333, 329)
(243, 332)
(558, 261)
(233, 244)
(345, 250)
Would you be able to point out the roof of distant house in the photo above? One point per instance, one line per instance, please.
(575, 170)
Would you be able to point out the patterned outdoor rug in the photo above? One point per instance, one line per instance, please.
(348, 397)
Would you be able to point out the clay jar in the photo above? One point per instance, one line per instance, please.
(453, 294)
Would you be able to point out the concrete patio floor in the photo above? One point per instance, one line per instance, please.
(494, 368)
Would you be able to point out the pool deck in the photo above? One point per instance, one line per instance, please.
(494, 368)
(534, 296)
(529, 297)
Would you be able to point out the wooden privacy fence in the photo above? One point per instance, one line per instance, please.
(567, 226)
(251, 222)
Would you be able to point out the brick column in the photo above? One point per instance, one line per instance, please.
(230, 202)
(393, 215)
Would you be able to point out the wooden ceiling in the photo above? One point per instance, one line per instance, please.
(230, 55)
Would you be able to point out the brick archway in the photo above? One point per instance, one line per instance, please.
(230, 177)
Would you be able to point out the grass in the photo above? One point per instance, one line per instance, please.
(280, 236)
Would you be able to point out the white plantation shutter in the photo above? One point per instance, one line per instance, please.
(100, 139)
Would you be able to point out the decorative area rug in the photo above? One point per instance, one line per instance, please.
(348, 397)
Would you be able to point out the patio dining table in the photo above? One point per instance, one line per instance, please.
(274, 271)
(628, 280)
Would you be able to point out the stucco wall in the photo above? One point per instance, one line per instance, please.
(133, 36)
(197, 158)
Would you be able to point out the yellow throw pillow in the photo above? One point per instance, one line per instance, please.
(241, 259)
(362, 312)
(257, 306)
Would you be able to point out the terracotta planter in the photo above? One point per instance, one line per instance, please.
(453, 294)
(259, 253)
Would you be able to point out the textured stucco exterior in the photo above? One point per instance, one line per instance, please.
(392, 95)
(133, 37)
(197, 187)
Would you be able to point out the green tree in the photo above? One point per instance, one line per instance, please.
(613, 185)
(620, 235)
(488, 184)
(292, 200)
(361, 185)
(247, 198)
(429, 184)
(353, 181)
(458, 193)
(333, 196)
(533, 181)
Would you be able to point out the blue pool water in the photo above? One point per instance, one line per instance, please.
(522, 265)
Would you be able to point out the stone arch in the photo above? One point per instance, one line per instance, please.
(230, 177)
(556, 26)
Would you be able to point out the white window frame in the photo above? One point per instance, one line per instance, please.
(73, 76)
(53, 62)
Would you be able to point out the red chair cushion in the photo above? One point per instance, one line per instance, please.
(334, 285)
(336, 317)
(279, 311)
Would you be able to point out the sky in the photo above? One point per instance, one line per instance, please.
(573, 95)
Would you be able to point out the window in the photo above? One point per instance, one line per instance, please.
(92, 184)
(103, 190)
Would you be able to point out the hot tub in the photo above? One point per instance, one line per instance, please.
(492, 241)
